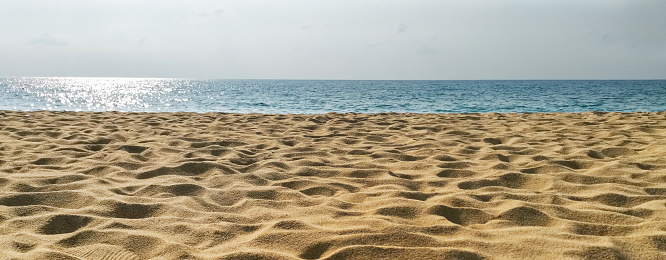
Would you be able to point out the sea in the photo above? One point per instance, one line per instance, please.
(323, 96)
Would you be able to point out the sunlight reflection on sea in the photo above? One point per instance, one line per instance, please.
(321, 96)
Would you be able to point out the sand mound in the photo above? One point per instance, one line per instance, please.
(335, 186)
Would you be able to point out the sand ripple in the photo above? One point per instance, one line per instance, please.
(334, 186)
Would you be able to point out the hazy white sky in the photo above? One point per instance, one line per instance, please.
(341, 39)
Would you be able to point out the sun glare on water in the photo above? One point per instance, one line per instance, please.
(92, 94)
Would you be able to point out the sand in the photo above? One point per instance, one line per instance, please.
(111, 185)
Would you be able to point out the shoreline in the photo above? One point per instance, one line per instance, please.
(170, 185)
(333, 112)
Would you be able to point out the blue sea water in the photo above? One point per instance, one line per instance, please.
(322, 96)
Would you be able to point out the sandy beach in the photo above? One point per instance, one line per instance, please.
(112, 185)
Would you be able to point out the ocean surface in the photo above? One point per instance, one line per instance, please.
(322, 96)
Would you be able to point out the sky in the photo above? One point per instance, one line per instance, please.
(341, 39)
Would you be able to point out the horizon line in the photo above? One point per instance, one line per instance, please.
(323, 79)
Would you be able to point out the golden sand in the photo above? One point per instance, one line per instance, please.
(82, 185)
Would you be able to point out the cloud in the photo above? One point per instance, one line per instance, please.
(402, 28)
(139, 42)
(425, 49)
(48, 39)
(378, 44)
(209, 12)
(310, 28)
(601, 37)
